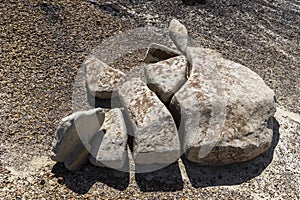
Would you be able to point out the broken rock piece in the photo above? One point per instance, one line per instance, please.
(166, 77)
(157, 52)
(155, 134)
(71, 144)
(109, 145)
(102, 80)
(179, 35)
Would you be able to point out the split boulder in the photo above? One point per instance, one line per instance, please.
(109, 145)
(155, 134)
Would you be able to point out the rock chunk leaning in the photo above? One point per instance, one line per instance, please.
(179, 35)
(109, 145)
(155, 134)
(71, 144)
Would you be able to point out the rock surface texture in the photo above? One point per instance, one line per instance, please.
(109, 145)
(102, 79)
(191, 101)
(155, 135)
(225, 111)
(73, 136)
(179, 35)
(166, 77)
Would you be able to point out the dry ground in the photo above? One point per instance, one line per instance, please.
(43, 44)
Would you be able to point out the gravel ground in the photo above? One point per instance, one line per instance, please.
(43, 44)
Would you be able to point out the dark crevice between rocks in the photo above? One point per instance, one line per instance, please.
(103, 103)
(233, 174)
(130, 133)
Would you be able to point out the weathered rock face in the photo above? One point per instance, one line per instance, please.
(179, 35)
(224, 109)
(73, 136)
(157, 52)
(155, 135)
(166, 77)
(102, 80)
(109, 145)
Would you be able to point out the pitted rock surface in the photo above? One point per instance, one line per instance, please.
(155, 135)
(166, 77)
(102, 80)
(109, 145)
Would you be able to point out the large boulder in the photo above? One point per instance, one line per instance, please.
(71, 144)
(155, 134)
(166, 77)
(224, 111)
(101, 79)
(109, 145)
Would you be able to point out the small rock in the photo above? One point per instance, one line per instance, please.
(179, 35)
(109, 145)
(166, 77)
(102, 80)
(155, 134)
(73, 135)
(157, 52)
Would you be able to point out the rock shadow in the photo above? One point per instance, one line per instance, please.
(205, 176)
(166, 179)
(81, 181)
(103, 103)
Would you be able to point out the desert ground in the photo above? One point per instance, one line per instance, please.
(43, 46)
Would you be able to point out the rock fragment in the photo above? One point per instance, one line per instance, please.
(166, 77)
(109, 145)
(224, 111)
(157, 52)
(179, 35)
(155, 135)
(102, 80)
(71, 144)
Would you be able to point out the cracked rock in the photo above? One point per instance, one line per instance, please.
(166, 77)
(109, 145)
(102, 80)
(155, 135)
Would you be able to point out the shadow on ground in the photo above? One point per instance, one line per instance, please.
(81, 181)
(163, 180)
(169, 178)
